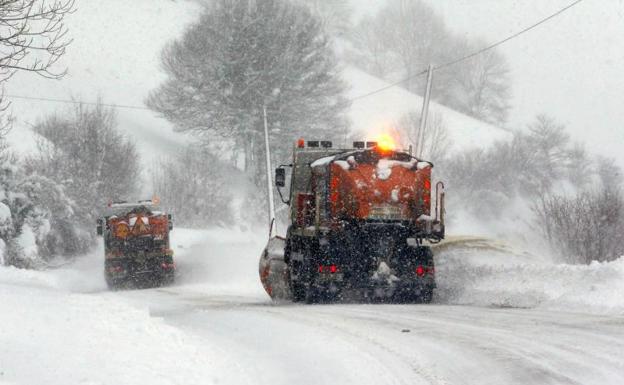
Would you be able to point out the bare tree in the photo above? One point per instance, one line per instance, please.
(436, 137)
(33, 36)
(371, 49)
(335, 14)
(406, 36)
(196, 187)
(480, 86)
(580, 167)
(609, 174)
(416, 35)
(548, 144)
(528, 167)
(583, 228)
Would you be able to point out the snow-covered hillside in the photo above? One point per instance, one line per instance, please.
(377, 112)
(115, 55)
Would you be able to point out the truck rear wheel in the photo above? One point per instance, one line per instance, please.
(114, 284)
(167, 279)
(427, 296)
(418, 288)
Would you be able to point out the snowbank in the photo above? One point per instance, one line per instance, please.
(53, 337)
(494, 276)
(62, 326)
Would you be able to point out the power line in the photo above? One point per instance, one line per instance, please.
(447, 64)
(470, 55)
(494, 45)
(388, 86)
(69, 101)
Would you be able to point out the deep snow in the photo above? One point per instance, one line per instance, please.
(216, 324)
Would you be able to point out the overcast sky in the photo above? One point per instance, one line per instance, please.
(572, 67)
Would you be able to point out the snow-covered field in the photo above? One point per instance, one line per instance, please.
(500, 316)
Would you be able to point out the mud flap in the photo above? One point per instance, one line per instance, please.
(274, 271)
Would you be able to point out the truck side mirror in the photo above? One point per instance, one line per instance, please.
(100, 227)
(280, 177)
(170, 221)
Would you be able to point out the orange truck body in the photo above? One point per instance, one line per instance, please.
(136, 244)
(358, 222)
(361, 193)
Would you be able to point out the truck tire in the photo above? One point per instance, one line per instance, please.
(167, 279)
(414, 293)
(311, 295)
(298, 292)
(113, 284)
(427, 296)
(301, 285)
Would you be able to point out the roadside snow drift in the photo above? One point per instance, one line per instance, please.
(50, 336)
(63, 326)
(484, 273)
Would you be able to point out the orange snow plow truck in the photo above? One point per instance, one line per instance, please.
(358, 221)
(136, 244)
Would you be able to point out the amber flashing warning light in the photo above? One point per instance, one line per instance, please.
(385, 143)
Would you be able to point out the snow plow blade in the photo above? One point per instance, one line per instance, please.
(274, 271)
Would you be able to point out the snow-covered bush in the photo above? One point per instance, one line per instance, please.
(36, 217)
(58, 229)
(50, 201)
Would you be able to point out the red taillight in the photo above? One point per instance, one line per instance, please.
(328, 269)
(427, 195)
(420, 271)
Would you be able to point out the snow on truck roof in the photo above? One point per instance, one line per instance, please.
(348, 157)
(123, 208)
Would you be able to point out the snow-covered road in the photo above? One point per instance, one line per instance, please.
(386, 344)
(217, 326)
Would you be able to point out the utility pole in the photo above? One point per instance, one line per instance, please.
(420, 138)
(272, 224)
